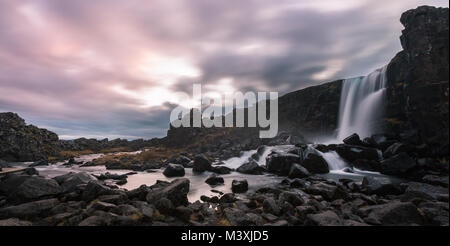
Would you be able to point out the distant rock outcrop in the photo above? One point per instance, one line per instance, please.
(21, 142)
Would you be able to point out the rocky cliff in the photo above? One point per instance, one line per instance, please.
(21, 142)
(418, 78)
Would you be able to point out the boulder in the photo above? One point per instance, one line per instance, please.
(250, 167)
(298, 171)
(22, 188)
(29, 210)
(70, 181)
(352, 140)
(214, 180)
(174, 170)
(201, 164)
(270, 206)
(237, 217)
(436, 180)
(327, 191)
(94, 189)
(397, 148)
(399, 165)
(380, 186)
(394, 213)
(221, 170)
(176, 192)
(281, 163)
(423, 191)
(239, 186)
(291, 197)
(315, 163)
(14, 222)
(352, 153)
(326, 218)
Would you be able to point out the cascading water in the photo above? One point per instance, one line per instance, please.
(361, 104)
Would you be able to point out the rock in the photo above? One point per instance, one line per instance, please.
(20, 188)
(368, 165)
(121, 182)
(380, 186)
(291, 197)
(227, 198)
(221, 169)
(114, 199)
(97, 220)
(303, 211)
(39, 163)
(281, 163)
(399, 165)
(327, 218)
(397, 148)
(237, 217)
(327, 191)
(352, 140)
(239, 186)
(14, 222)
(182, 160)
(436, 180)
(315, 163)
(394, 213)
(104, 206)
(21, 142)
(201, 164)
(183, 213)
(298, 171)
(70, 181)
(270, 206)
(352, 153)
(214, 180)
(107, 175)
(29, 210)
(251, 167)
(436, 213)
(95, 189)
(164, 205)
(176, 192)
(417, 190)
(139, 193)
(174, 170)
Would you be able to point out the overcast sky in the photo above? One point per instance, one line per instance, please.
(110, 68)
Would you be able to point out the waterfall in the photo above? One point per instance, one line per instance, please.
(361, 104)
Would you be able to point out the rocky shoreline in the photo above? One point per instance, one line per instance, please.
(302, 198)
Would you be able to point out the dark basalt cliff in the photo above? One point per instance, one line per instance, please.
(21, 142)
(418, 78)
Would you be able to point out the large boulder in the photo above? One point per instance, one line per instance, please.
(201, 164)
(239, 186)
(29, 210)
(380, 186)
(352, 153)
(94, 189)
(176, 192)
(399, 165)
(423, 191)
(174, 170)
(352, 140)
(327, 191)
(393, 213)
(213, 180)
(326, 218)
(281, 163)
(23, 188)
(315, 163)
(70, 181)
(298, 171)
(250, 167)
